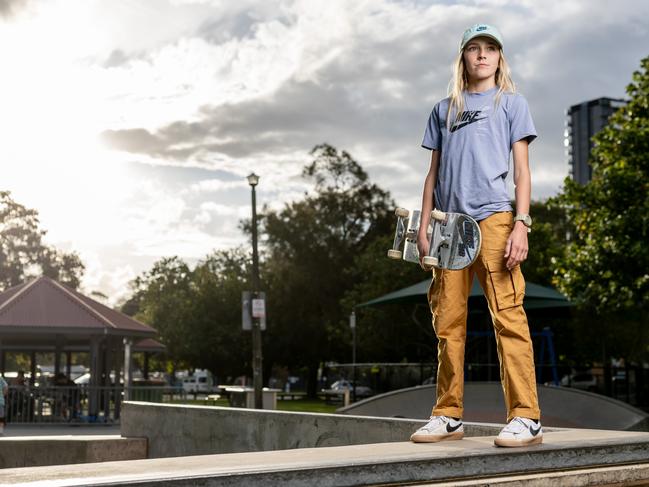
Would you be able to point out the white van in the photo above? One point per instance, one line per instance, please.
(200, 381)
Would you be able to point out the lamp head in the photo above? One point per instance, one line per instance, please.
(253, 179)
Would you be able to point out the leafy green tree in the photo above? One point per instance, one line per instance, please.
(605, 267)
(217, 339)
(23, 253)
(547, 242)
(163, 298)
(197, 312)
(310, 244)
(393, 332)
(606, 263)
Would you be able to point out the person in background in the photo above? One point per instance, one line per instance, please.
(4, 390)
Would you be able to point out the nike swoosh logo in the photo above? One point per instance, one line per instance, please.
(464, 124)
(534, 432)
(450, 428)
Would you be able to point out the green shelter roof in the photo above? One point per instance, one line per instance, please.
(536, 296)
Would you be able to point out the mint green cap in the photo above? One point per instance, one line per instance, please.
(481, 30)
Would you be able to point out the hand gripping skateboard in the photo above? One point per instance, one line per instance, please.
(454, 239)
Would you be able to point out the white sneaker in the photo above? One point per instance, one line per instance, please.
(520, 432)
(439, 428)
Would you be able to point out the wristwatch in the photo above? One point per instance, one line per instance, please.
(526, 219)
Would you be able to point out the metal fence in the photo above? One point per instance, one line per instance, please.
(629, 384)
(80, 404)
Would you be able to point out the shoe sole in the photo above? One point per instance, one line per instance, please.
(514, 443)
(435, 438)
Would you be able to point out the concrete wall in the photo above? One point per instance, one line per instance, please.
(33, 451)
(179, 430)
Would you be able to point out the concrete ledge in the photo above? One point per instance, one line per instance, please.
(35, 451)
(404, 462)
(176, 430)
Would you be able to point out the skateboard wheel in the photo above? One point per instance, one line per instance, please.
(402, 212)
(437, 215)
(394, 254)
(430, 261)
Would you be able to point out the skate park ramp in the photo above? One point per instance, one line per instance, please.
(484, 403)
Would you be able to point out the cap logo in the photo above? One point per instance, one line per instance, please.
(482, 27)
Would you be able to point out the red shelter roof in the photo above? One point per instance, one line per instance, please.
(149, 345)
(46, 306)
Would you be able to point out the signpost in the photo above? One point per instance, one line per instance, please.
(253, 308)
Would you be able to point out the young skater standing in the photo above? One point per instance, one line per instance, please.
(471, 135)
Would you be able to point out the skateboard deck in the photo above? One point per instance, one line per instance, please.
(454, 239)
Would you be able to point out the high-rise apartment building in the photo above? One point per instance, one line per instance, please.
(582, 122)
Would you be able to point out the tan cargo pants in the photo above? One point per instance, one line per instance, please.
(504, 289)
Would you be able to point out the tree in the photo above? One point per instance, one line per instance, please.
(605, 267)
(219, 343)
(394, 332)
(547, 242)
(163, 298)
(23, 253)
(197, 312)
(310, 244)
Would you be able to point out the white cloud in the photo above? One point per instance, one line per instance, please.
(215, 185)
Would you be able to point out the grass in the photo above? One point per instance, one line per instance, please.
(307, 406)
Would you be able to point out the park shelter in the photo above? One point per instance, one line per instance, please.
(43, 315)
(148, 347)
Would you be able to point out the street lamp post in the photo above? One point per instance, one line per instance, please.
(257, 379)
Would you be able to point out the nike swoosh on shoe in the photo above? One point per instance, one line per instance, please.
(450, 428)
(534, 432)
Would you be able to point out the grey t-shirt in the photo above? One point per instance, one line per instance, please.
(475, 151)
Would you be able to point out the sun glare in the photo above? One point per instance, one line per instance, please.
(52, 114)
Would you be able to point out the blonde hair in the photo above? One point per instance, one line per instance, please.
(459, 84)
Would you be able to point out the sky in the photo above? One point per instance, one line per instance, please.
(130, 125)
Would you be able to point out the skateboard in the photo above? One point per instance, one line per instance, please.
(454, 239)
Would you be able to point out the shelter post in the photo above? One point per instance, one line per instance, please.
(32, 368)
(145, 372)
(58, 349)
(128, 363)
(93, 393)
(68, 364)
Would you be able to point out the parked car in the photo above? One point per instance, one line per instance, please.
(431, 380)
(361, 391)
(200, 381)
(581, 380)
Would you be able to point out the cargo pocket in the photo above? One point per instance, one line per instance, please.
(508, 286)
